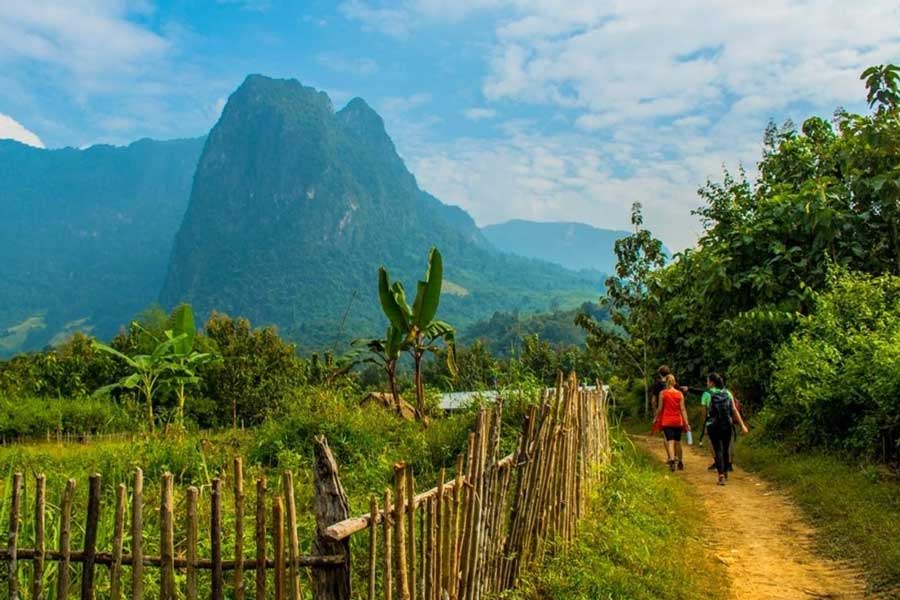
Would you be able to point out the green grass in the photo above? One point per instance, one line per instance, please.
(642, 540)
(856, 509)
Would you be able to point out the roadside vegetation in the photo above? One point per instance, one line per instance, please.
(641, 540)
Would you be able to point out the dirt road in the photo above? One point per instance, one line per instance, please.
(760, 536)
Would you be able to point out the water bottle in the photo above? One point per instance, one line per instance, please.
(690, 439)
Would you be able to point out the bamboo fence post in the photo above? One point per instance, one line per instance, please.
(422, 517)
(260, 532)
(293, 540)
(278, 545)
(455, 519)
(373, 544)
(238, 488)
(65, 533)
(388, 558)
(439, 520)
(215, 532)
(411, 526)
(167, 539)
(400, 530)
(13, 536)
(446, 544)
(427, 552)
(137, 540)
(115, 571)
(40, 501)
(330, 506)
(193, 534)
(90, 538)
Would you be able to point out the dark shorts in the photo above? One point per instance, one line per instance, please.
(672, 433)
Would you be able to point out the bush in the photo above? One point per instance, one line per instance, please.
(837, 379)
(28, 416)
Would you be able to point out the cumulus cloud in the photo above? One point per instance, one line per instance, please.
(659, 96)
(13, 130)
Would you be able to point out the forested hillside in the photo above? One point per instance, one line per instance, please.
(86, 235)
(295, 206)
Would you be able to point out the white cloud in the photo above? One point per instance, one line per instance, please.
(389, 21)
(13, 130)
(342, 64)
(398, 105)
(479, 114)
(661, 95)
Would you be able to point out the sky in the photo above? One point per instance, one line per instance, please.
(547, 110)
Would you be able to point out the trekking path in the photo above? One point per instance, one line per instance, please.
(760, 535)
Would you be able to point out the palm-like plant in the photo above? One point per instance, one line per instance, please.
(385, 353)
(149, 372)
(417, 324)
(183, 359)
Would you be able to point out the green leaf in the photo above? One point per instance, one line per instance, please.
(428, 296)
(392, 309)
(109, 350)
(184, 326)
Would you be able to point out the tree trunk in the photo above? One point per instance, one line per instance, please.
(420, 387)
(148, 396)
(181, 405)
(392, 383)
(330, 506)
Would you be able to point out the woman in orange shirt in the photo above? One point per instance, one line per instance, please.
(671, 415)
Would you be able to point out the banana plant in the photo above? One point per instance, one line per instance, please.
(149, 372)
(385, 353)
(184, 360)
(417, 324)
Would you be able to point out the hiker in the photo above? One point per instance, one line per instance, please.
(671, 417)
(659, 385)
(720, 415)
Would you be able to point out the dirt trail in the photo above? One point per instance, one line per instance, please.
(760, 536)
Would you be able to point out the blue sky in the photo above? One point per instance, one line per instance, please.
(538, 109)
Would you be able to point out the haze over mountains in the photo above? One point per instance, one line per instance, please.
(284, 217)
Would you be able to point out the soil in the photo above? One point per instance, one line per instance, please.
(761, 536)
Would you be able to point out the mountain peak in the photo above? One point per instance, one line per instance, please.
(362, 120)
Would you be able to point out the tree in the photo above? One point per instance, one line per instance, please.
(385, 353)
(149, 372)
(637, 257)
(418, 325)
(185, 361)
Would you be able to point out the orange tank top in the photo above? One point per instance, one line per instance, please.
(671, 408)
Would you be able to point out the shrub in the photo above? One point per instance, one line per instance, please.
(837, 379)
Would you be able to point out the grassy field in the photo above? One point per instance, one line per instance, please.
(855, 508)
(642, 540)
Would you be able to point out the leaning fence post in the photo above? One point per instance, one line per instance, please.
(90, 538)
(12, 546)
(330, 506)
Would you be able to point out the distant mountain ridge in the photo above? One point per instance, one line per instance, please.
(576, 246)
(294, 207)
(85, 235)
(282, 214)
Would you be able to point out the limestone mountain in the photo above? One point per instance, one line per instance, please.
(85, 235)
(294, 206)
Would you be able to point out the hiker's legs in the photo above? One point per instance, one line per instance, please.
(670, 449)
(720, 446)
(679, 452)
(733, 441)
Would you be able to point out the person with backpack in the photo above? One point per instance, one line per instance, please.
(671, 416)
(720, 416)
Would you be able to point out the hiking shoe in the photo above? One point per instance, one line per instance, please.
(722, 479)
(711, 467)
(672, 465)
(680, 465)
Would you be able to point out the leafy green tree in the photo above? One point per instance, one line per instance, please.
(149, 372)
(421, 330)
(184, 360)
(638, 256)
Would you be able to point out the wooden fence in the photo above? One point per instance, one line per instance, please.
(277, 575)
(470, 536)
